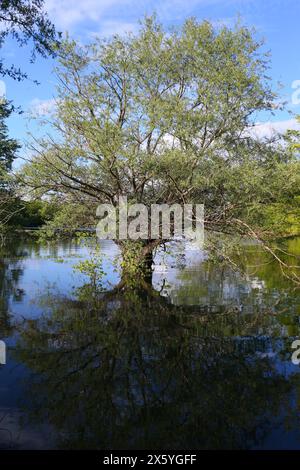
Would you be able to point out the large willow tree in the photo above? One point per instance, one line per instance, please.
(164, 117)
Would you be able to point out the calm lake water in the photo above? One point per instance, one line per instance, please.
(202, 359)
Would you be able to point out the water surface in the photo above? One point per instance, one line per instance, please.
(200, 359)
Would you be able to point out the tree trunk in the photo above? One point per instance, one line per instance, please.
(137, 262)
(148, 262)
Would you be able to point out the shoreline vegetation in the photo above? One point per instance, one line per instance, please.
(39, 217)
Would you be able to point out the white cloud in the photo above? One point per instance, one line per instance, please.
(69, 13)
(40, 108)
(109, 28)
(268, 129)
(2, 89)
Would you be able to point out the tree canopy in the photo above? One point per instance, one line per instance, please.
(293, 139)
(165, 117)
(27, 23)
(8, 146)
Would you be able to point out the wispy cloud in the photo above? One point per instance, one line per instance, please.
(39, 108)
(109, 28)
(71, 14)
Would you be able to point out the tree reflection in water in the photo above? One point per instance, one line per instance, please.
(128, 369)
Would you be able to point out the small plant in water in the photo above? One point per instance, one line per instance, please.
(93, 265)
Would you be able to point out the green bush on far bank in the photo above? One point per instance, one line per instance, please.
(278, 218)
(31, 214)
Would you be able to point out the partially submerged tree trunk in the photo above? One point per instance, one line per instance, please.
(148, 266)
(137, 261)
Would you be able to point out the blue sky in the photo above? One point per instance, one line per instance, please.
(277, 21)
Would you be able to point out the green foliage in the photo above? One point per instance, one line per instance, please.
(66, 219)
(8, 146)
(92, 267)
(281, 219)
(31, 214)
(293, 139)
(26, 22)
(8, 149)
(133, 264)
(159, 117)
(166, 116)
